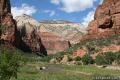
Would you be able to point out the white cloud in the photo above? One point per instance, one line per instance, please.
(56, 2)
(50, 12)
(88, 18)
(70, 6)
(23, 9)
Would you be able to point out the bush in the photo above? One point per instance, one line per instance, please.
(2, 28)
(87, 59)
(9, 64)
(118, 57)
(78, 58)
(110, 57)
(107, 58)
(100, 60)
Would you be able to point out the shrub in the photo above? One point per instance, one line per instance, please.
(100, 60)
(118, 57)
(87, 59)
(110, 57)
(78, 58)
(70, 58)
(9, 64)
(2, 28)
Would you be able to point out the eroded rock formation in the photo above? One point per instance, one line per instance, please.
(106, 19)
(69, 31)
(53, 43)
(7, 23)
(55, 35)
(22, 36)
(29, 38)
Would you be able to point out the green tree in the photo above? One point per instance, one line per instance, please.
(9, 64)
(78, 58)
(110, 57)
(118, 57)
(87, 59)
(100, 60)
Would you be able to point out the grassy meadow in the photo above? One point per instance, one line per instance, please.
(63, 72)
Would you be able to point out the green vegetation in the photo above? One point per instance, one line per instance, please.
(95, 45)
(118, 57)
(29, 71)
(9, 64)
(87, 59)
(77, 58)
(108, 58)
(2, 28)
(63, 72)
(100, 60)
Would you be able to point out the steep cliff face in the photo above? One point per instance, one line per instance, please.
(23, 36)
(29, 38)
(29, 29)
(53, 43)
(66, 30)
(106, 19)
(7, 23)
(104, 30)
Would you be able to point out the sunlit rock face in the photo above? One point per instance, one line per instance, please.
(53, 43)
(69, 31)
(31, 41)
(106, 19)
(55, 35)
(21, 36)
(8, 24)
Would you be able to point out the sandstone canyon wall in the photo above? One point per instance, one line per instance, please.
(7, 23)
(18, 36)
(106, 19)
(53, 43)
(29, 27)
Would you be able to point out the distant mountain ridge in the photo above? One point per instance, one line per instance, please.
(55, 34)
(55, 21)
(67, 30)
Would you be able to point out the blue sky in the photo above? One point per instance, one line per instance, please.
(81, 11)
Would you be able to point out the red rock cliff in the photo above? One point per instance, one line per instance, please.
(106, 19)
(10, 34)
(7, 22)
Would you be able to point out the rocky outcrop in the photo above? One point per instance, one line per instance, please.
(55, 35)
(106, 19)
(65, 59)
(80, 52)
(29, 38)
(53, 43)
(7, 23)
(22, 36)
